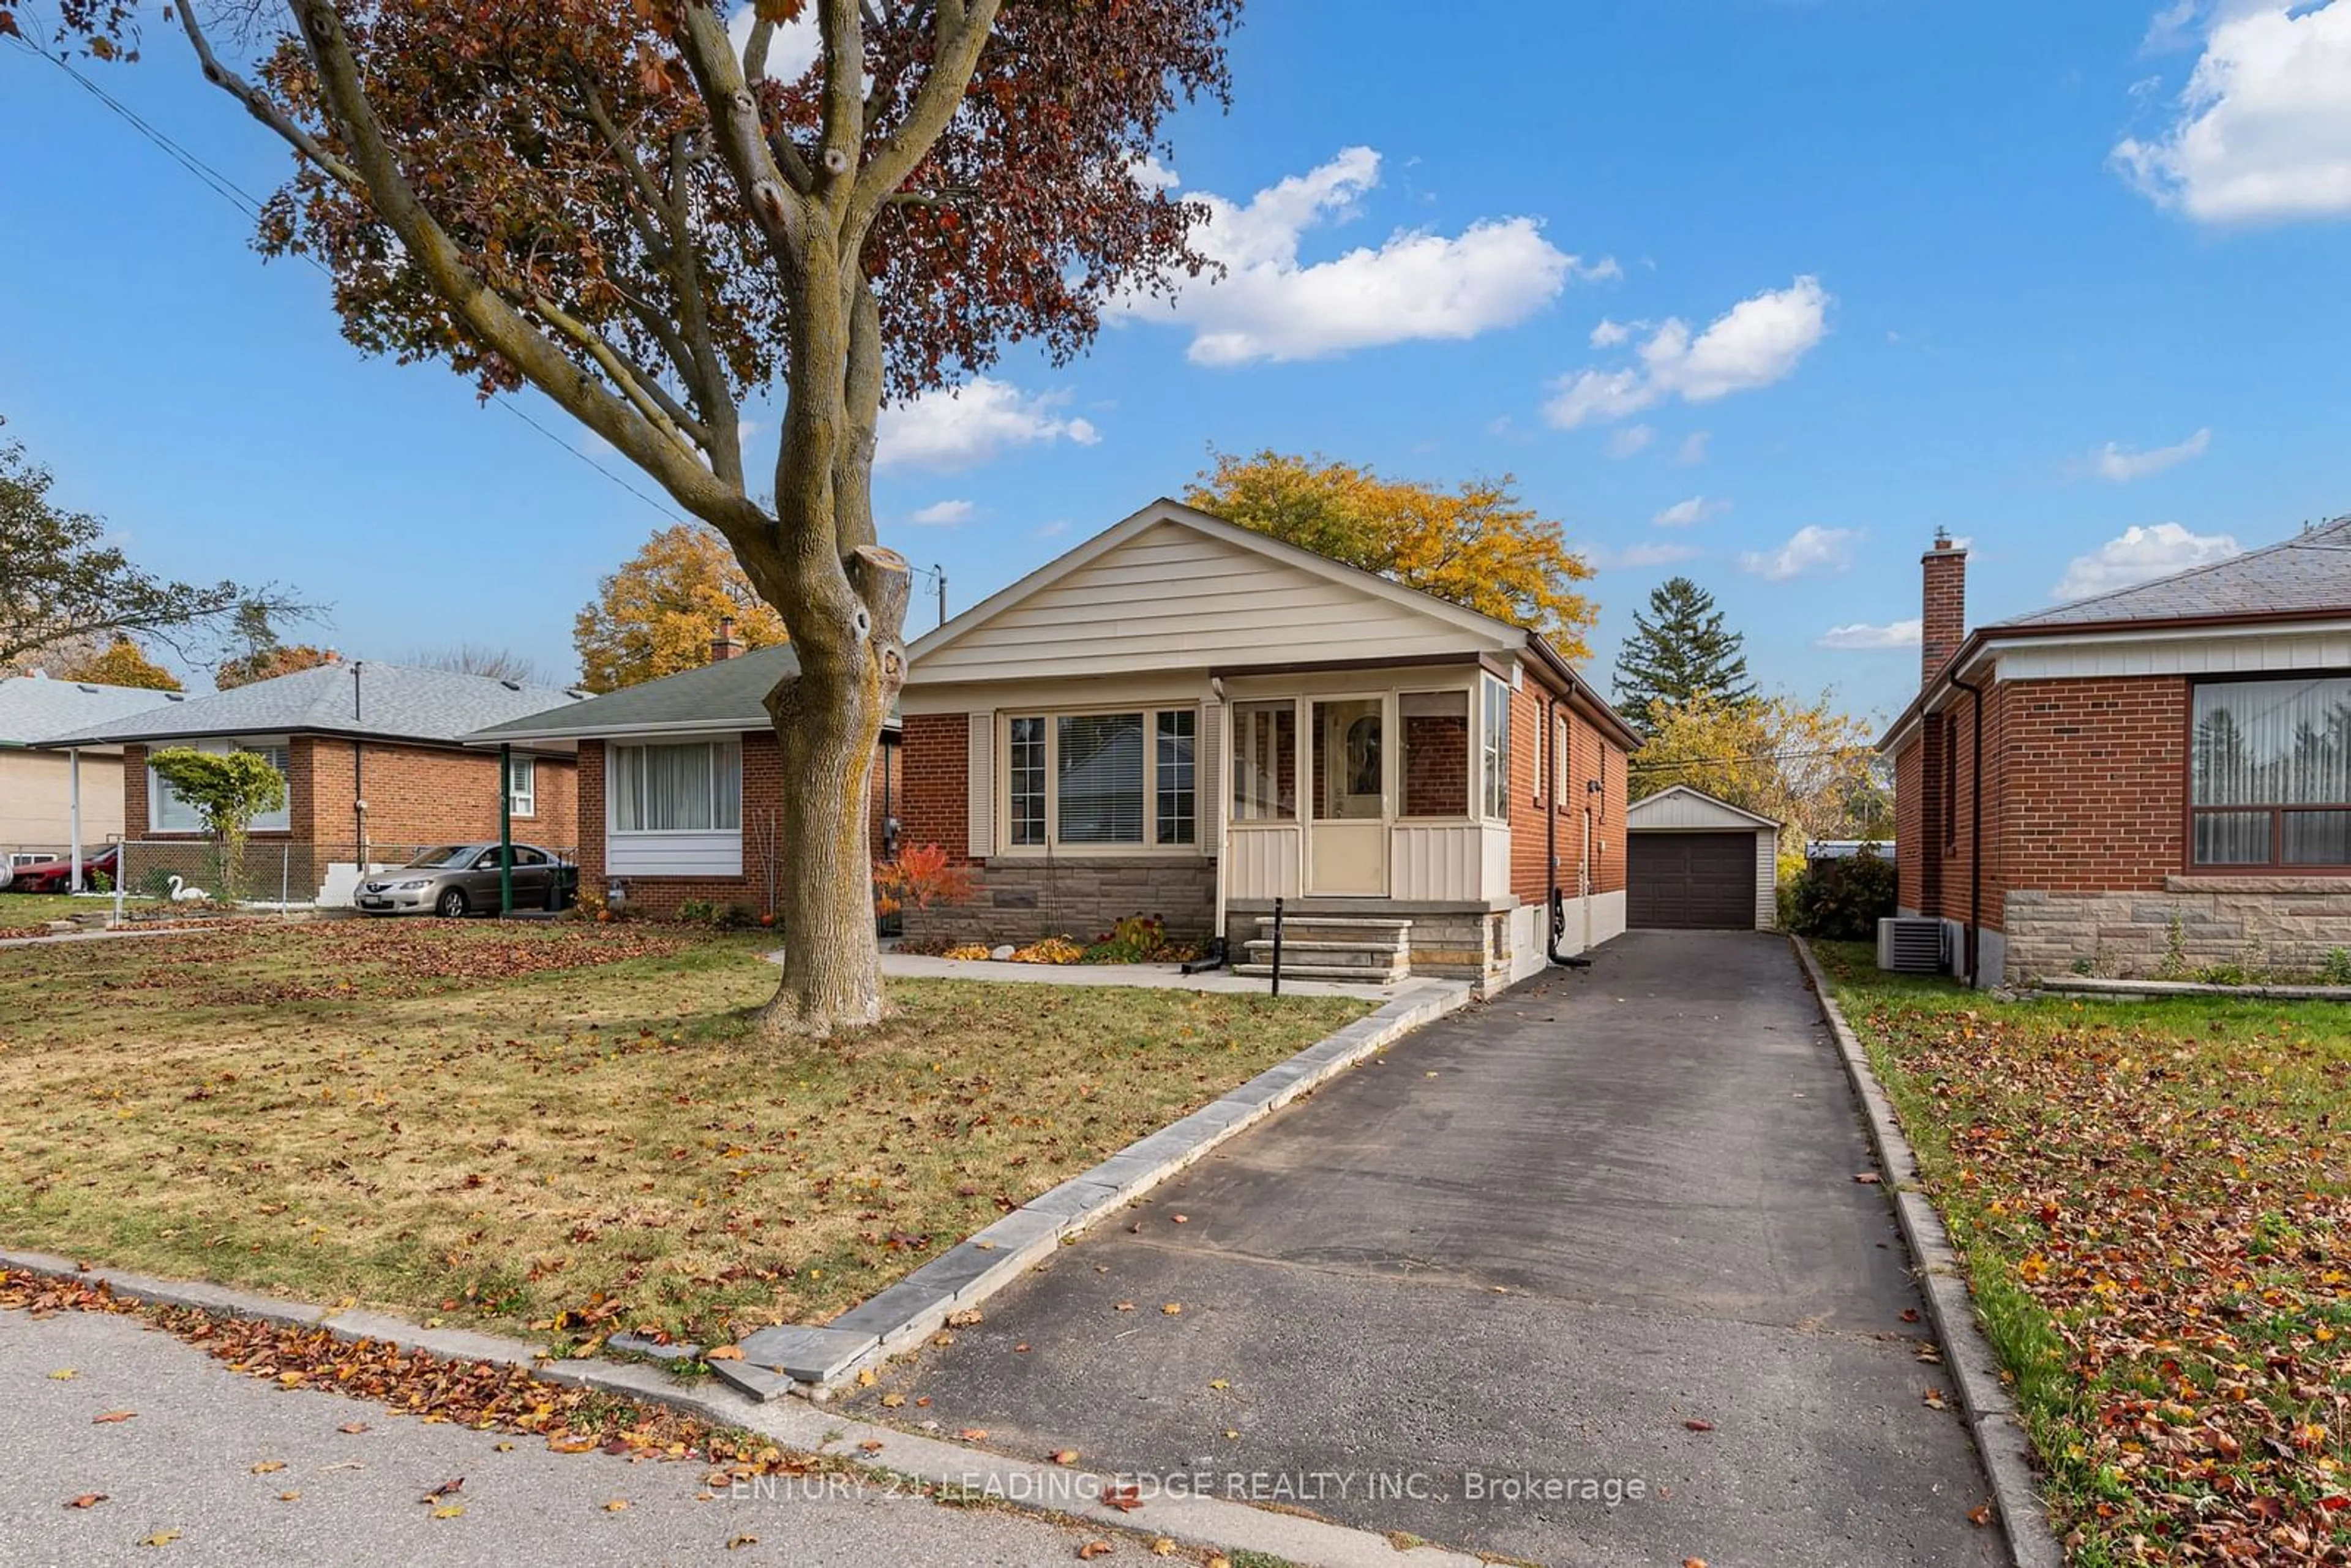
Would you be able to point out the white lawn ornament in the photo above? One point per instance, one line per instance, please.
(184, 894)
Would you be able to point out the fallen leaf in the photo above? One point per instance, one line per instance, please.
(1181, 1219)
(1867, 1178)
(867, 1377)
(449, 1510)
(1219, 1384)
(1693, 1562)
(111, 1417)
(1164, 1547)
(1123, 1307)
(1125, 1499)
(871, 1446)
(161, 1538)
(268, 1466)
(724, 1352)
(1910, 1314)
(503, 1448)
(1093, 1549)
(618, 1505)
(737, 1542)
(973, 1434)
(1065, 1456)
(449, 1488)
(891, 1401)
(1173, 1309)
(1021, 1349)
(352, 1429)
(64, 1374)
(87, 1499)
(942, 1339)
(1696, 1424)
(1934, 1399)
(922, 1400)
(1980, 1515)
(1218, 1561)
(965, 1319)
(290, 1496)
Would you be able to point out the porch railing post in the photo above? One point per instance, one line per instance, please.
(1277, 946)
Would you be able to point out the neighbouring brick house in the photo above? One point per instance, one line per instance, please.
(51, 802)
(681, 784)
(374, 768)
(1185, 718)
(2152, 780)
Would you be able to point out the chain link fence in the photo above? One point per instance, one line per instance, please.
(266, 873)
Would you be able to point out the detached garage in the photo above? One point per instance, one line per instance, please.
(1697, 863)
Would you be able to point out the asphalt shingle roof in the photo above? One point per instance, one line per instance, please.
(33, 708)
(2309, 573)
(394, 702)
(727, 692)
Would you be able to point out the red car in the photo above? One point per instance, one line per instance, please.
(51, 876)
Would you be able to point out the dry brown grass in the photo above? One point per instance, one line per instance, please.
(521, 1123)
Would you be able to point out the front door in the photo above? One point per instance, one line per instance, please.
(1348, 841)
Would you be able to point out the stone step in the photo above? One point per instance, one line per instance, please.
(1340, 953)
(1292, 921)
(1290, 971)
(1396, 941)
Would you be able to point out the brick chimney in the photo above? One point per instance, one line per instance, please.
(725, 645)
(1943, 623)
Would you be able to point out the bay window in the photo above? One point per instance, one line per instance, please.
(685, 787)
(2269, 774)
(1107, 780)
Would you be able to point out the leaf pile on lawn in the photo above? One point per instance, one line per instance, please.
(2153, 1200)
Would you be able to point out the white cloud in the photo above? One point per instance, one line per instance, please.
(1756, 342)
(1269, 304)
(1629, 440)
(1608, 334)
(1051, 530)
(2137, 554)
(944, 515)
(1682, 514)
(1809, 549)
(1861, 634)
(1692, 450)
(969, 424)
(2123, 463)
(1603, 558)
(2264, 128)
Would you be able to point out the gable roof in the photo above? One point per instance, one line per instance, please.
(1682, 795)
(2308, 574)
(724, 695)
(35, 707)
(363, 698)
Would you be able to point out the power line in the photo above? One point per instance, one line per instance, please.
(1636, 766)
(229, 191)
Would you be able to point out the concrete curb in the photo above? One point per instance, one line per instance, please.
(814, 1362)
(1207, 1522)
(2001, 1440)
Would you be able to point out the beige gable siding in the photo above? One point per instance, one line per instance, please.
(1174, 598)
(1688, 812)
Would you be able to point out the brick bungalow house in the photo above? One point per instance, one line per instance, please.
(680, 783)
(51, 802)
(1186, 718)
(2152, 780)
(373, 765)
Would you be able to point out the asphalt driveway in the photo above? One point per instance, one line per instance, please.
(1599, 1239)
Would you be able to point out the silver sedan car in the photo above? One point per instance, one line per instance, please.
(455, 880)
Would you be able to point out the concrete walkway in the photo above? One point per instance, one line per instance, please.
(184, 1466)
(1600, 1233)
(1159, 977)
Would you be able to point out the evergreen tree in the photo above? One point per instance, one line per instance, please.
(1678, 650)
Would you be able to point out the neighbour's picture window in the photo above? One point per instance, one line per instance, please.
(1177, 813)
(2269, 773)
(1264, 762)
(695, 786)
(1495, 751)
(167, 813)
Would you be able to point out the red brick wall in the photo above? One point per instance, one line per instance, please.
(2097, 783)
(1590, 754)
(937, 765)
(1944, 608)
(1437, 765)
(415, 794)
(1910, 823)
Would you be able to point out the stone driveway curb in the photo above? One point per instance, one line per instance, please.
(2000, 1439)
(1201, 1521)
(816, 1361)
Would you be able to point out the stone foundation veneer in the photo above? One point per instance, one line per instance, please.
(1023, 900)
(2286, 924)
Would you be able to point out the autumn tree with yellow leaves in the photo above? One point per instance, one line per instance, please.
(1804, 765)
(1476, 545)
(657, 614)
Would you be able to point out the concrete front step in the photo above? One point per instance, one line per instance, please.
(1338, 955)
(1290, 971)
(1351, 923)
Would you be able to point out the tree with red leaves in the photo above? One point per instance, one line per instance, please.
(625, 208)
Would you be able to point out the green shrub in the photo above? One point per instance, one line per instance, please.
(697, 911)
(1843, 900)
(2336, 970)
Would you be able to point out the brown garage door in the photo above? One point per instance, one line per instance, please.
(1691, 881)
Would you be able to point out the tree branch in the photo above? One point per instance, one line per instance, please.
(500, 326)
(842, 137)
(961, 32)
(775, 206)
(259, 105)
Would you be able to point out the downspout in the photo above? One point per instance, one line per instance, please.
(1975, 833)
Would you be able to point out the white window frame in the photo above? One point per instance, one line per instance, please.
(279, 749)
(1494, 749)
(522, 785)
(1150, 844)
(612, 795)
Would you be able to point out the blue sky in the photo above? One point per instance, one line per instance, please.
(1803, 280)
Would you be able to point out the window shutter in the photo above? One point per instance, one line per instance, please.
(1211, 774)
(981, 773)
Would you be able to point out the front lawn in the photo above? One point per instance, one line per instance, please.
(561, 1124)
(2155, 1202)
(30, 913)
